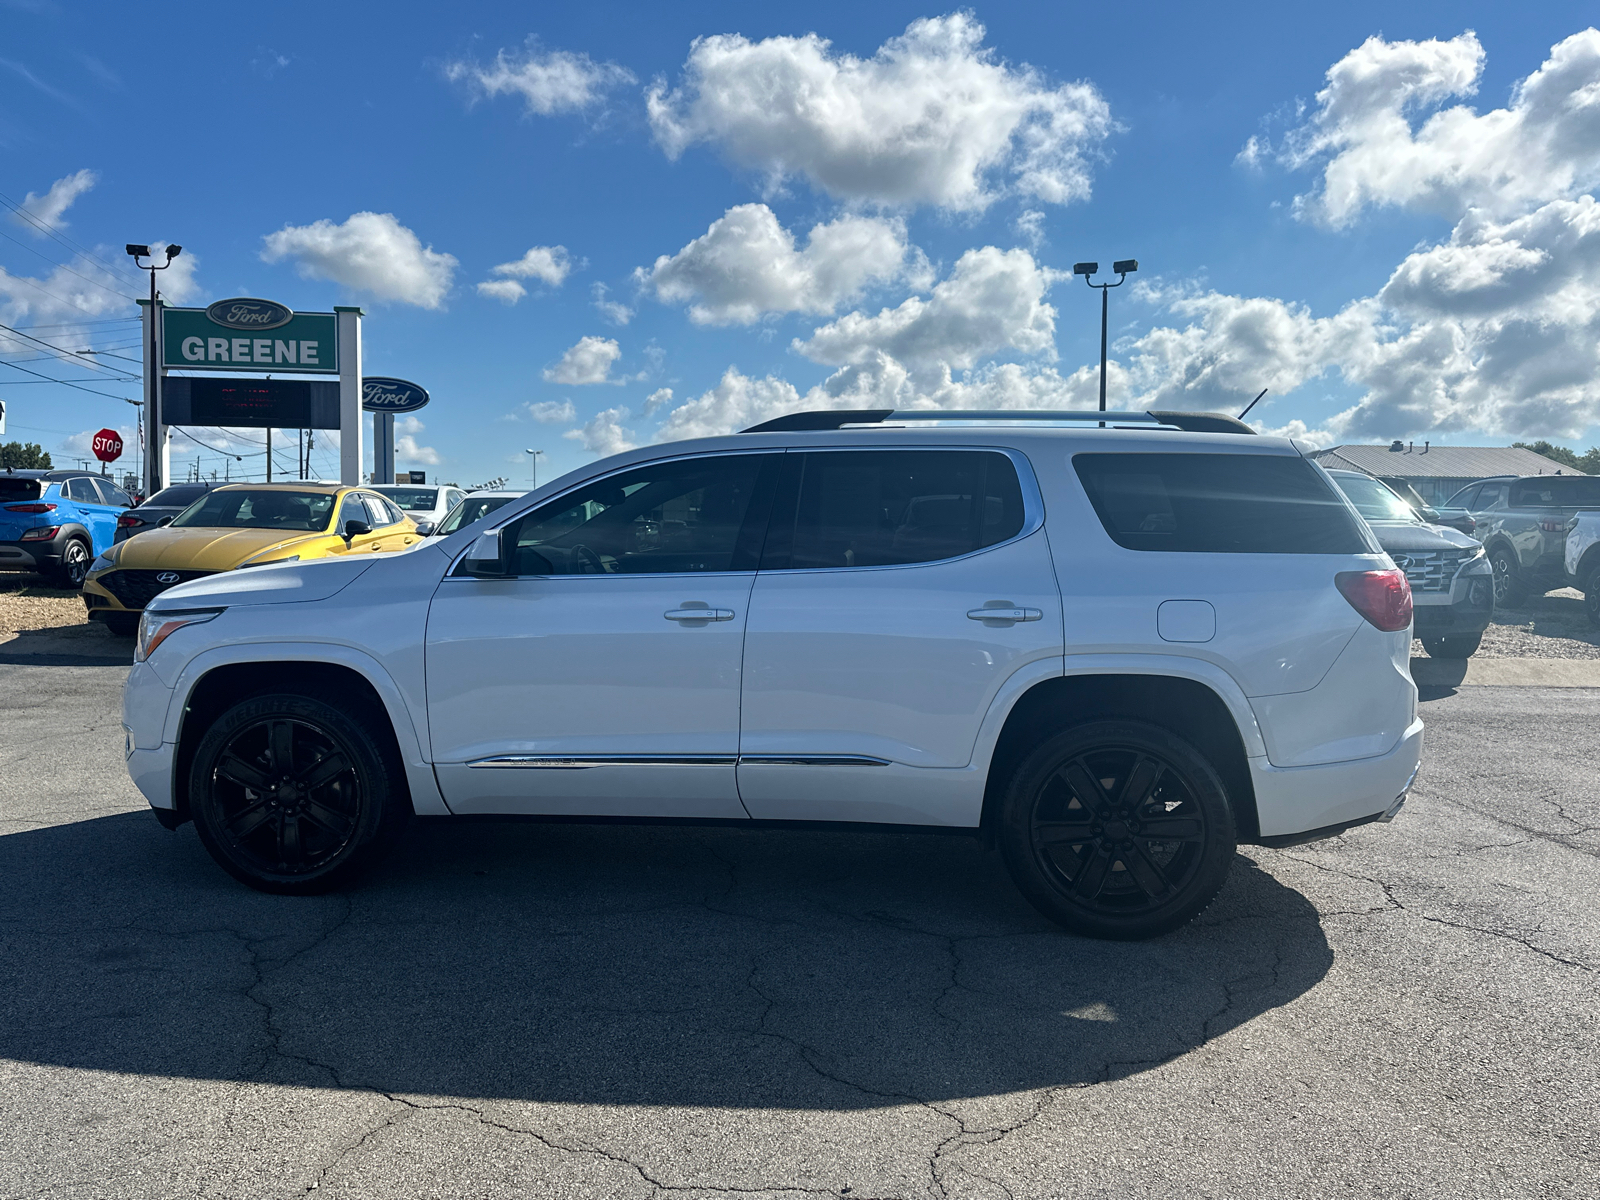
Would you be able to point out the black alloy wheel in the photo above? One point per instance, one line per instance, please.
(1117, 829)
(1591, 596)
(74, 568)
(291, 795)
(1508, 590)
(1457, 645)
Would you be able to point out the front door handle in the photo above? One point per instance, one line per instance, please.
(998, 616)
(698, 616)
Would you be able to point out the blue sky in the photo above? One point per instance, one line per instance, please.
(1437, 276)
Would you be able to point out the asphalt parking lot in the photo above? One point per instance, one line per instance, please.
(512, 1009)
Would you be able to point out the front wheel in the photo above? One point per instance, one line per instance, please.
(1508, 589)
(122, 624)
(294, 796)
(1117, 829)
(1461, 645)
(1591, 596)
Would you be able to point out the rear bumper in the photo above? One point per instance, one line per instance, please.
(1324, 799)
(27, 556)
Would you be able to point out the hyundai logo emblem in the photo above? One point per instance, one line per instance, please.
(167, 577)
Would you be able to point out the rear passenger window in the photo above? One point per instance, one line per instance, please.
(1218, 504)
(83, 491)
(873, 508)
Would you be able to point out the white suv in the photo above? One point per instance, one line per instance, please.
(1115, 651)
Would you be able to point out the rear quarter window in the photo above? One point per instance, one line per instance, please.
(1555, 492)
(1219, 504)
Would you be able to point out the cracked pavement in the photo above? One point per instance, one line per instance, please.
(517, 1009)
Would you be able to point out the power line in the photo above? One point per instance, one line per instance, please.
(76, 354)
(63, 382)
(70, 244)
(63, 266)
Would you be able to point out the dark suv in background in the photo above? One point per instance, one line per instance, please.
(160, 508)
(1522, 523)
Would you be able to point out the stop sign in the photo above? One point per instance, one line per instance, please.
(108, 445)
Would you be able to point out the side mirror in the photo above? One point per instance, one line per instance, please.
(164, 521)
(355, 529)
(485, 559)
(424, 528)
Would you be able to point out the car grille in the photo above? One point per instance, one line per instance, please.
(1431, 570)
(135, 589)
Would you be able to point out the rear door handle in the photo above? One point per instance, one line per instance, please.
(1004, 616)
(700, 615)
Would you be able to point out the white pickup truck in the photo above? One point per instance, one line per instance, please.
(1583, 560)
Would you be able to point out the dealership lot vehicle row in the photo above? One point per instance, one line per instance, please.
(620, 1011)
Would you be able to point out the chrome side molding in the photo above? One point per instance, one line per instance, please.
(584, 762)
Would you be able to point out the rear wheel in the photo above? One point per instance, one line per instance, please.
(1591, 596)
(122, 624)
(1117, 829)
(1508, 588)
(292, 795)
(74, 566)
(1461, 645)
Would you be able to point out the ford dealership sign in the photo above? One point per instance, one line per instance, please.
(384, 395)
(244, 313)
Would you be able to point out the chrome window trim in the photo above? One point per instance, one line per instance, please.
(1033, 513)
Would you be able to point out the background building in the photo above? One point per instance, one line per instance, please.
(1439, 472)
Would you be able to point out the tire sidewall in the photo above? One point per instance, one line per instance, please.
(377, 824)
(1508, 589)
(1015, 835)
(74, 550)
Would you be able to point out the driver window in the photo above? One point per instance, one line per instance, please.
(688, 515)
(1493, 495)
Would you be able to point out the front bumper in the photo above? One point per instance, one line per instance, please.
(1294, 802)
(1467, 608)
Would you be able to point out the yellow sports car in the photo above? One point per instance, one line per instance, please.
(241, 525)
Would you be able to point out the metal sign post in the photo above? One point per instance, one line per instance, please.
(350, 424)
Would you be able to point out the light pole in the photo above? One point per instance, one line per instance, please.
(535, 461)
(153, 424)
(1123, 268)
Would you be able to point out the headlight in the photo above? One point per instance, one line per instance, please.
(157, 627)
(103, 563)
(268, 562)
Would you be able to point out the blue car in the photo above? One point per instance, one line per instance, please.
(57, 522)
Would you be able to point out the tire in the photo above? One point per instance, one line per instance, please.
(122, 624)
(74, 566)
(1591, 596)
(1460, 645)
(1082, 851)
(289, 839)
(1509, 590)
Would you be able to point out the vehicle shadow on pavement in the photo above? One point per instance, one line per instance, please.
(616, 965)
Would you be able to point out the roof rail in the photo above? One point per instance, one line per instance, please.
(838, 418)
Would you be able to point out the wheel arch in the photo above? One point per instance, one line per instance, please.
(219, 685)
(1190, 708)
(1589, 562)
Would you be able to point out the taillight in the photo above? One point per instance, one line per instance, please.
(128, 521)
(1382, 597)
(30, 508)
(39, 533)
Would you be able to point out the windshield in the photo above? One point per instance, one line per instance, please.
(411, 499)
(297, 512)
(473, 508)
(179, 496)
(1373, 500)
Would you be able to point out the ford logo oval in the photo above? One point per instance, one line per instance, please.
(384, 395)
(245, 313)
(167, 577)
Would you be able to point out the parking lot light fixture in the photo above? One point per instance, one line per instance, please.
(1123, 267)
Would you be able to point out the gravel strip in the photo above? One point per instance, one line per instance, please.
(1548, 626)
(27, 603)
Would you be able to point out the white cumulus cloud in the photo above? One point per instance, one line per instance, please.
(614, 311)
(48, 209)
(548, 264)
(549, 81)
(934, 117)
(406, 447)
(1374, 151)
(370, 252)
(604, 433)
(588, 361)
(551, 412)
(747, 265)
